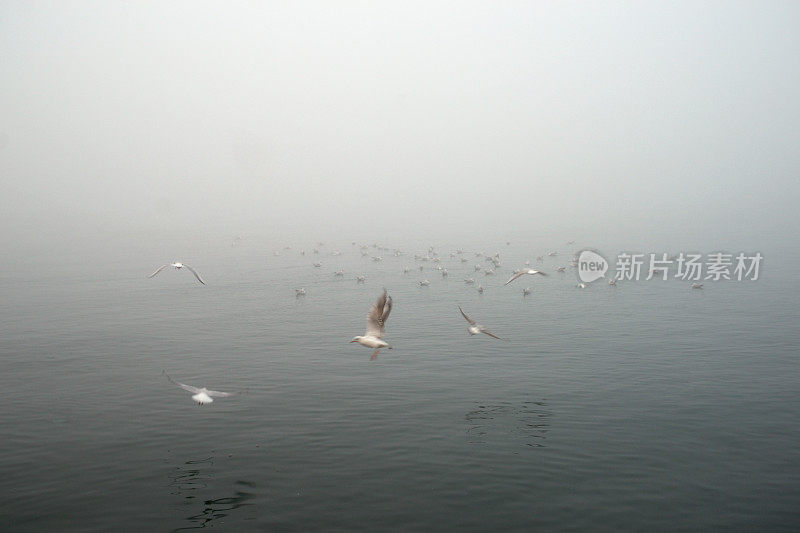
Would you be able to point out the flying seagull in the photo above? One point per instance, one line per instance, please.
(179, 266)
(376, 322)
(523, 272)
(201, 395)
(474, 328)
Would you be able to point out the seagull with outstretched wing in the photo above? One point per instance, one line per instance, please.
(178, 266)
(201, 395)
(376, 324)
(475, 328)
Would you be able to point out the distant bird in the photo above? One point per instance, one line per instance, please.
(612, 281)
(561, 269)
(552, 254)
(361, 279)
(581, 285)
(523, 272)
(570, 242)
(424, 283)
(317, 265)
(489, 272)
(405, 270)
(179, 266)
(444, 273)
(376, 323)
(697, 285)
(201, 395)
(300, 292)
(475, 328)
(480, 289)
(526, 291)
(478, 268)
(469, 281)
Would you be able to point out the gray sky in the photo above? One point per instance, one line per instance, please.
(236, 117)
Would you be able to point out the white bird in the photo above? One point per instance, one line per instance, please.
(361, 279)
(444, 273)
(300, 292)
(561, 269)
(523, 272)
(697, 285)
(480, 289)
(339, 273)
(475, 328)
(526, 291)
(612, 281)
(376, 323)
(581, 285)
(179, 266)
(201, 395)
(424, 283)
(469, 281)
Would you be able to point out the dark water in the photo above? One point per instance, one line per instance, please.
(648, 406)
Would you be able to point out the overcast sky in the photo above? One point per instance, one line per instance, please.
(215, 117)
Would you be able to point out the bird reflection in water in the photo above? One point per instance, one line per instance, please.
(196, 476)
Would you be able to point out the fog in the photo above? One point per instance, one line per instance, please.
(390, 120)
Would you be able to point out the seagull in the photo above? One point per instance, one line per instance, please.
(339, 273)
(300, 292)
(561, 269)
(581, 285)
(179, 266)
(480, 289)
(697, 285)
(526, 291)
(376, 322)
(361, 279)
(523, 272)
(469, 281)
(612, 281)
(424, 283)
(201, 395)
(474, 328)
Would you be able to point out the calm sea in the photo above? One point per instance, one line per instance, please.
(648, 406)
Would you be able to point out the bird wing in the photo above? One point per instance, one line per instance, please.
(195, 274)
(515, 276)
(221, 394)
(157, 271)
(465, 316)
(484, 330)
(376, 318)
(537, 272)
(182, 385)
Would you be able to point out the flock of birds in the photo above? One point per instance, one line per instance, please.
(379, 312)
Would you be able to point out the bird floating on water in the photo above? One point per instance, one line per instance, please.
(201, 395)
(697, 285)
(179, 266)
(475, 328)
(376, 323)
(300, 292)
